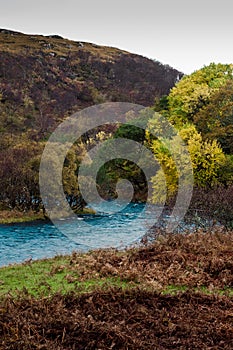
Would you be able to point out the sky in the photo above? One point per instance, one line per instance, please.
(184, 34)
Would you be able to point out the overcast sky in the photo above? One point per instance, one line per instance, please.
(184, 34)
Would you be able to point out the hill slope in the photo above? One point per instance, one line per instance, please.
(43, 79)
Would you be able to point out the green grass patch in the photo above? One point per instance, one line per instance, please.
(31, 276)
(173, 290)
(46, 277)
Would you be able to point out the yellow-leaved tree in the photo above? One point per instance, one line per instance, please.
(207, 159)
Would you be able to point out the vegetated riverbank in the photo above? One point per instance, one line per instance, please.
(174, 293)
(16, 216)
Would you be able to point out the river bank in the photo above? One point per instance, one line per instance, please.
(175, 293)
(15, 216)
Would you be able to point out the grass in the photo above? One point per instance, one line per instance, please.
(30, 276)
(49, 276)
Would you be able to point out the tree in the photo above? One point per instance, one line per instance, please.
(19, 174)
(207, 159)
(215, 120)
(193, 92)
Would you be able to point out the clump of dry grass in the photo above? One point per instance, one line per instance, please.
(193, 260)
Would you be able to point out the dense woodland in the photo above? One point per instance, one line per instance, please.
(45, 79)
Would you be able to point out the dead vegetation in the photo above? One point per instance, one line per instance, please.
(143, 316)
(193, 260)
(117, 319)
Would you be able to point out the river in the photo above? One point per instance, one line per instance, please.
(115, 224)
(112, 227)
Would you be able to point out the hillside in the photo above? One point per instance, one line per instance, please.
(45, 78)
